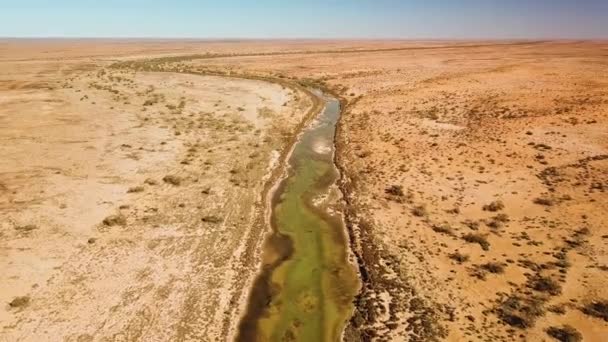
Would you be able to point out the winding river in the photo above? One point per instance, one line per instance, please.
(306, 287)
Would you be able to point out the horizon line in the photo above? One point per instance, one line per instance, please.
(304, 38)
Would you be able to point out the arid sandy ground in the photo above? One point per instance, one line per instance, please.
(474, 173)
(130, 203)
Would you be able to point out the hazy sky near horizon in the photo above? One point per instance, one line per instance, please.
(440, 19)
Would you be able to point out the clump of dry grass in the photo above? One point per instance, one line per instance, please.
(26, 228)
(443, 229)
(478, 239)
(547, 202)
(419, 211)
(597, 309)
(494, 206)
(395, 190)
(211, 219)
(150, 181)
(493, 267)
(546, 284)
(135, 189)
(459, 257)
(173, 180)
(19, 302)
(565, 333)
(115, 220)
(520, 312)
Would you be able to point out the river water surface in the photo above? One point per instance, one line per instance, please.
(306, 287)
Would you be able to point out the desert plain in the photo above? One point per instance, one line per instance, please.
(135, 175)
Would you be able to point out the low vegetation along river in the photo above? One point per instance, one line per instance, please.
(306, 287)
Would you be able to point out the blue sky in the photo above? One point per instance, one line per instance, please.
(442, 19)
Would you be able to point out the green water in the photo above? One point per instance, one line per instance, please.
(306, 295)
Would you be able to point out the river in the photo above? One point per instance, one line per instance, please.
(306, 286)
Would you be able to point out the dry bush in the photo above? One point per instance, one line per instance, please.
(503, 218)
(565, 333)
(26, 228)
(173, 180)
(546, 284)
(459, 257)
(135, 189)
(597, 309)
(544, 201)
(20, 302)
(443, 229)
(494, 267)
(478, 239)
(150, 181)
(419, 211)
(494, 206)
(520, 312)
(115, 220)
(211, 219)
(395, 190)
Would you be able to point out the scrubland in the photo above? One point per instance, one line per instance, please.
(474, 176)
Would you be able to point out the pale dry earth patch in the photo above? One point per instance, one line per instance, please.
(131, 202)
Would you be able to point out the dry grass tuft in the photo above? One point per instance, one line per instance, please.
(546, 284)
(494, 206)
(173, 180)
(597, 309)
(135, 189)
(478, 239)
(26, 228)
(19, 302)
(565, 333)
(115, 220)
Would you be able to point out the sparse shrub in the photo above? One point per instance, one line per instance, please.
(150, 181)
(597, 309)
(501, 218)
(494, 224)
(115, 220)
(26, 228)
(546, 284)
(557, 309)
(544, 201)
(419, 211)
(211, 219)
(443, 229)
(494, 206)
(459, 257)
(20, 302)
(494, 267)
(395, 190)
(172, 179)
(520, 312)
(135, 189)
(478, 239)
(565, 333)
(473, 225)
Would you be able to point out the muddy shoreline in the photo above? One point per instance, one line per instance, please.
(374, 264)
(253, 257)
